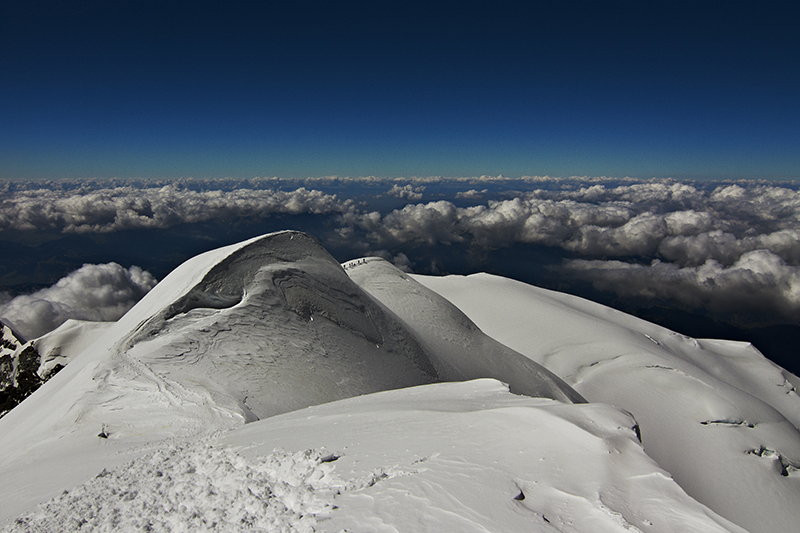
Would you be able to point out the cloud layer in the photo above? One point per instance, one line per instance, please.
(722, 247)
(726, 247)
(113, 208)
(93, 292)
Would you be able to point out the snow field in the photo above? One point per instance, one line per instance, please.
(64, 343)
(273, 325)
(470, 457)
(705, 407)
(194, 488)
(459, 349)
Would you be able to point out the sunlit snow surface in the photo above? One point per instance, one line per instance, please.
(445, 457)
(717, 415)
(67, 341)
(146, 427)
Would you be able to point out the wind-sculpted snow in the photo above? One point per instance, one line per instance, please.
(266, 327)
(277, 326)
(194, 487)
(459, 350)
(67, 341)
(681, 391)
(248, 331)
(471, 457)
(445, 457)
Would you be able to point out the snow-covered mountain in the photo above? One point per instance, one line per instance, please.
(19, 365)
(25, 366)
(263, 385)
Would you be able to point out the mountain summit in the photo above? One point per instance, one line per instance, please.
(372, 383)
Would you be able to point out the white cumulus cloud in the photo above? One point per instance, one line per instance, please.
(93, 292)
(681, 229)
(758, 284)
(107, 209)
(407, 192)
(726, 246)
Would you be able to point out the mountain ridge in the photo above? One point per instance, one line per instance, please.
(231, 349)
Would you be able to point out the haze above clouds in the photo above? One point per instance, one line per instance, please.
(731, 249)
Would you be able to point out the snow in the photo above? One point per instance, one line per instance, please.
(705, 407)
(264, 387)
(49, 442)
(63, 344)
(444, 457)
(454, 456)
(459, 349)
(246, 332)
(192, 487)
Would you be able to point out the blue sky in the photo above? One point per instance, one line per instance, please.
(205, 89)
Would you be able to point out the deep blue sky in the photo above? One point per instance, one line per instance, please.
(212, 89)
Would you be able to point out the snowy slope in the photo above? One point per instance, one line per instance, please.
(146, 427)
(717, 415)
(459, 349)
(64, 343)
(252, 330)
(444, 457)
(24, 366)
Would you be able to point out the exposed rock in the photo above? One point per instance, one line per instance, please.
(19, 363)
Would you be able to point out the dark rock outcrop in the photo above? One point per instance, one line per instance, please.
(19, 365)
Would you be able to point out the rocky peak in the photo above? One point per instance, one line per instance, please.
(19, 365)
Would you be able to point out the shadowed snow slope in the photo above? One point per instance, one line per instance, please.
(717, 415)
(460, 351)
(64, 343)
(278, 326)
